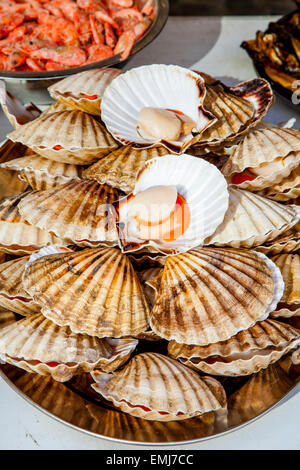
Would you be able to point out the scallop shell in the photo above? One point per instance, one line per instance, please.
(37, 339)
(71, 90)
(94, 291)
(120, 168)
(16, 235)
(259, 393)
(245, 353)
(296, 356)
(80, 212)
(15, 111)
(289, 265)
(83, 138)
(10, 184)
(41, 173)
(150, 277)
(159, 86)
(287, 242)
(12, 294)
(204, 189)
(286, 189)
(6, 318)
(251, 220)
(56, 107)
(237, 109)
(155, 387)
(208, 295)
(264, 146)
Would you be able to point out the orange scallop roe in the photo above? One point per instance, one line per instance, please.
(90, 97)
(180, 220)
(239, 178)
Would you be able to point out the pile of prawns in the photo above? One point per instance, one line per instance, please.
(45, 35)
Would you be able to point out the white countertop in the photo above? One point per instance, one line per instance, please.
(216, 42)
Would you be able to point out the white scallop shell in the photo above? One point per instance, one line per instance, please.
(204, 189)
(159, 86)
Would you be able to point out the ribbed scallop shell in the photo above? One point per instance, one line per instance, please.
(286, 189)
(289, 265)
(264, 146)
(287, 242)
(245, 353)
(237, 108)
(83, 138)
(202, 186)
(71, 90)
(148, 277)
(37, 339)
(10, 184)
(159, 86)
(160, 384)
(16, 235)
(251, 220)
(12, 294)
(208, 295)
(41, 173)
(6, 318)
(120, 168)
(258, 394)
(94, 291)
(15, 111)
(78, 211)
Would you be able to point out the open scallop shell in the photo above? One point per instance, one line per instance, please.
(208, 295)
(286, 189)
(153, 275)
(252, 220)
(12, 294)
(80, 212)
(79, 91)
(10, 184)
(258, 394)
(245, 353)
(94, 291)
(264, 146)
(15, 111)
(35, 342)
(41, 173)
(16, 235)
(237, 109)
(159, 86)
(204, 189)
(82, 138)
(155, 387)
(120, 168)
(289, 265)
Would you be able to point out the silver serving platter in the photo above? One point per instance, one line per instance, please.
(32, 86)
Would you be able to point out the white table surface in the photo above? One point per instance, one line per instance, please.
(211, 45)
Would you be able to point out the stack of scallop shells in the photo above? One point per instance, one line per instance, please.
(158, 323)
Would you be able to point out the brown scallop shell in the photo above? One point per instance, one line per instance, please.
(82, 138)
(237, 108)
(120, 168)
(155, 387)
(286, 189)
(258, 394)
(251, 220)
(17, 113)
(289, 265)
(245, 353)
(37, 339)
(72, 89)
(79, 211)
(208, 295)
(12, 294)
(264, 146)
(10, 184)
(41, 173)
(94, 291)
(16, 235)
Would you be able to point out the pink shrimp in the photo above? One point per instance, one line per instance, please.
(90, 6)
(122, 3)
(14, 36)
(50, 65)
(16, 59)
(103, 16)
(125, 44)
(129, 12)
(140, 28)
(98, 53)
(66, 55)
(147, 8)
(110, 37)
(35, 65)
(97, 30)
(9, 22)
